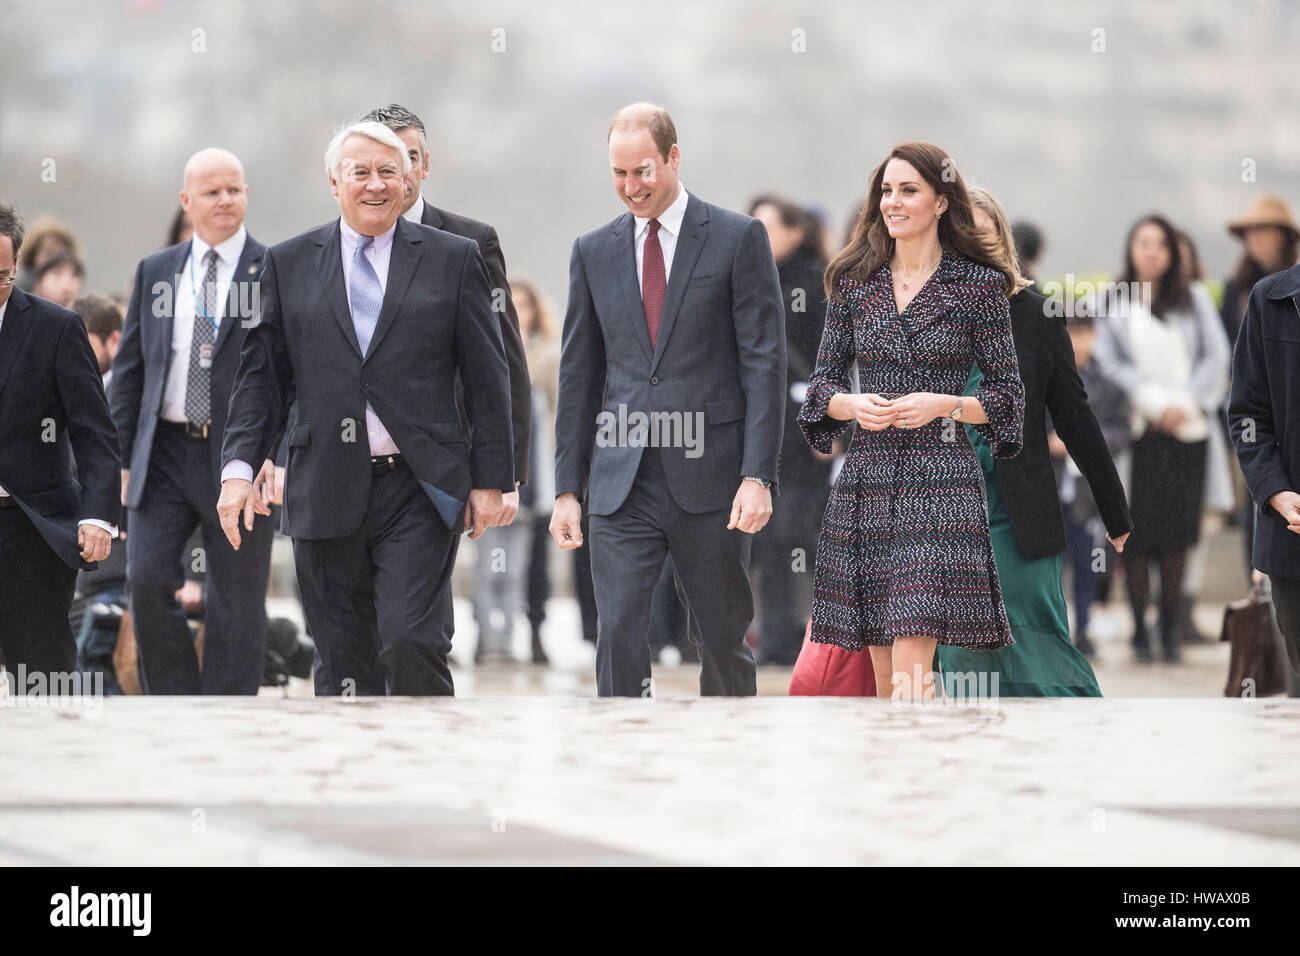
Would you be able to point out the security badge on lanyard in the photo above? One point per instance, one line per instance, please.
(207, 350)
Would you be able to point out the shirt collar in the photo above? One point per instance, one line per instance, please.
(671, 218)
(228, 251)
(4, 305)
(416, 212)
(352, 237)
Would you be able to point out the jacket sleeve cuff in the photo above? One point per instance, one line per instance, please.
(237, 469)
(110, 528)
(818, 427)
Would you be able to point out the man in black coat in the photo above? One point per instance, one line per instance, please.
(60, 500)
(671, 408)
(365, 325)
(785, 552)
(410, 130)
(1264, 419)
(174, 372)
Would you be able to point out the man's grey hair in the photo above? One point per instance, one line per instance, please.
(11, 225)
(397, 118)
(372, 130)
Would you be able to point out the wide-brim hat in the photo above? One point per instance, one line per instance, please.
(1266, 210)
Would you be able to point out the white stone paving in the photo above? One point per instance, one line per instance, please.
(681, 780)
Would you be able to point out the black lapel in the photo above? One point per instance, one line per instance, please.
(167, 321)
(622, 263)
(17, 320)
(246, 271)
(432, 216)
(401, 269)
(329, 266)
(695, 229)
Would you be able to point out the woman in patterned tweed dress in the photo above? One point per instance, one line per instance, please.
(918, 296)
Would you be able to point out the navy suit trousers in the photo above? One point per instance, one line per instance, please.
(181, 495)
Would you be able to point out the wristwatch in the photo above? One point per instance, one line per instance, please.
(955, 415)
(765, 484)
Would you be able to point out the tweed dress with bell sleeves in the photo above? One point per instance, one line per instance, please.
(904, 547)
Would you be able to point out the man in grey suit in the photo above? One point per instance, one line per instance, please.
(671, 405)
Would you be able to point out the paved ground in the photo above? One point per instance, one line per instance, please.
(766, 781)
(527, 767)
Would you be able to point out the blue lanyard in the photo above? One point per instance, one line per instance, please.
(194, 291)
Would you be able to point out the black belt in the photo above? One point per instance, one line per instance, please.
(382, 463)
(190, 429)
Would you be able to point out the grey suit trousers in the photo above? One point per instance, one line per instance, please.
(711, 568)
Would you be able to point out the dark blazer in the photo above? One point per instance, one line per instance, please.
(805, 320)
(1052, 385)
(436, 321)
(720, 359)
(144, 355)
(521, 390)
(1264, 413)
(50, 386)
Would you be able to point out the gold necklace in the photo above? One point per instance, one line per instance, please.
(927, 272)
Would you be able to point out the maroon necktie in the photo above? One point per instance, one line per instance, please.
(652, 281)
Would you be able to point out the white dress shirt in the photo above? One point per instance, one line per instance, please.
(670, 227)
(416, 212)
(186, 307)
(379, 254)
(106, 525)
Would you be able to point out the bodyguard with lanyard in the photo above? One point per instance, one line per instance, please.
(172, 381)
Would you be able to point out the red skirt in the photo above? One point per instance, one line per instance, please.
(825, 670)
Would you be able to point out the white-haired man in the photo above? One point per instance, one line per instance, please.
(364, 325)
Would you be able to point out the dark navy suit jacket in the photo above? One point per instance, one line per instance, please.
(521, 392)
(436, 323)
(58, 447)
(719, 357)
(144, 355)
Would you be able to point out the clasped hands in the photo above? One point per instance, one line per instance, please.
(912, 410)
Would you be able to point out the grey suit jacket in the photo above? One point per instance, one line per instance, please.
(711, 394)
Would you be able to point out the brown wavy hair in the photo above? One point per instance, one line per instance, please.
(871, 245)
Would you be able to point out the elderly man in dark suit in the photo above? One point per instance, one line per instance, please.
(1264, 419)
(365, 325)
(410, 130)
(59, 494)
(175, 368)
(671, 406)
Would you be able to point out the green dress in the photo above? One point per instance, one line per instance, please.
(1042, 662)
